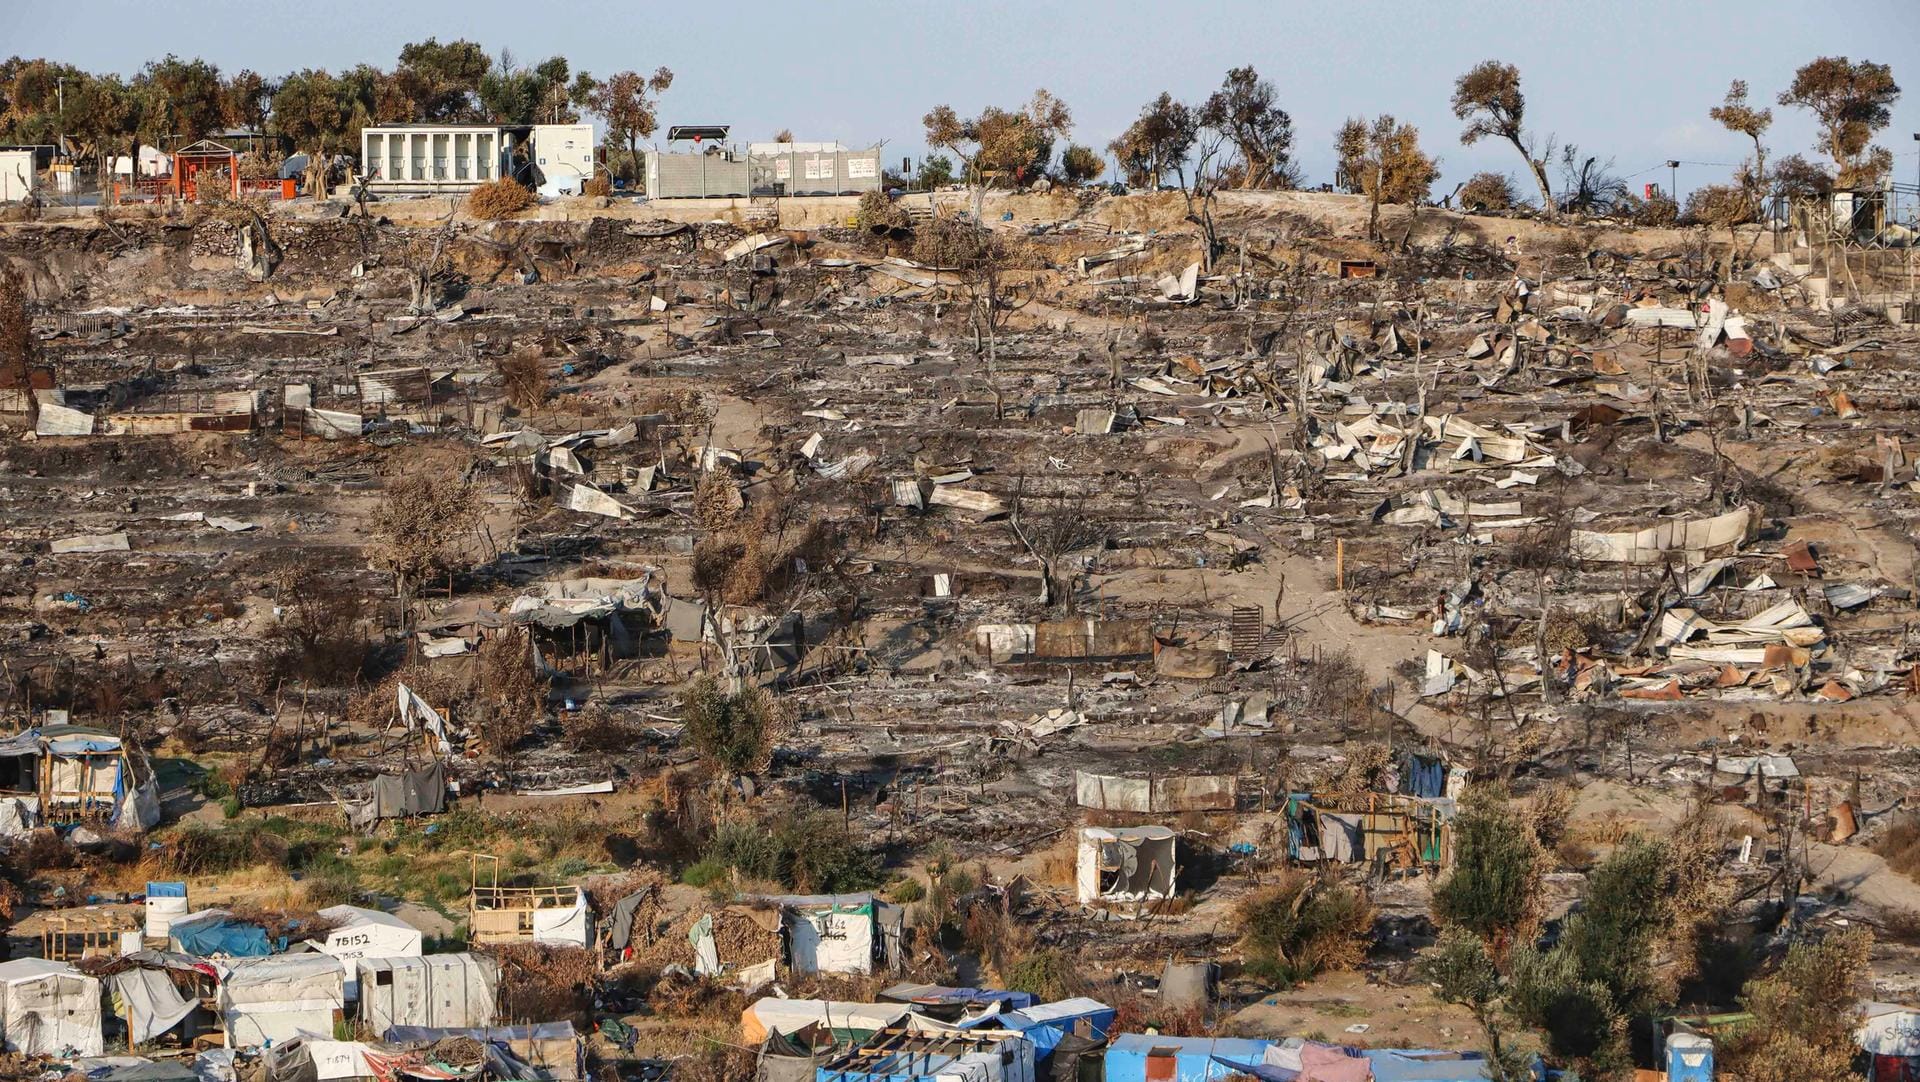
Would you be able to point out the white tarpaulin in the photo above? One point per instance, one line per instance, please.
(335, 1059)
(367, 933)
(791, 1015)
(571, 926)
(149, 1000)
(829, 933)
(280, 997)
(331, 424)
(1888, 1029)
(428, 990)
(18, 814)
(99, 542)
(592, 501)
(48, 1008)
(411, 703)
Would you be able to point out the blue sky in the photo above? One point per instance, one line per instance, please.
(1625, 80)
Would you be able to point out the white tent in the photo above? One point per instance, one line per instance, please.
(279, 997)
(48, 1008)
(365, 933)
(440, 990)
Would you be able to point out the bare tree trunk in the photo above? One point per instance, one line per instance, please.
(1539, 170)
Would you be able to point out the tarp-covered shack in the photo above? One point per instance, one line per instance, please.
(846, 1022)
(1139, 1057)
(839, 933)
(428, 990)
(49, 1009)
(278, 998)
(72, 774)
(1126, 864)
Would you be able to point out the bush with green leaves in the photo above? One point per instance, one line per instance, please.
(809, 852)
(1493, 889)
(1304, 925)
(734, 730)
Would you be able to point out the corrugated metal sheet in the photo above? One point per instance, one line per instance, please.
(396, 387)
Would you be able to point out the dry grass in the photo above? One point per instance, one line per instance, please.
(1899, 845)
(498, 199)
(523, 378)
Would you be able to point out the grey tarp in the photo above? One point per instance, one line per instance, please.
(1340, 837)
(132, 1069)
(392, 796)
(623, 911)
(784, 1060)
(149, 1001)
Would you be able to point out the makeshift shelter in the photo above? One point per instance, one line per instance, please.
(1049, 1025)
(554, 1051)
(216, 933)
(1139, 1057)
(1427, 1065)
(72, 774)
(838, 933)
(845, 1022)
(791, 1058)
(557, 914)
(365, 933)
(1126, 864)
(428, 990)
(148, 995)
(744, 940)
(49, 1009)
(278, 998)
(1344, 828)
(905, 1054)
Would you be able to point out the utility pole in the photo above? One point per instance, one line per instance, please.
(1673, 183)
(60, 97)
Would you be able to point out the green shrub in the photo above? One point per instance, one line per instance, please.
(907, 891)
(1304, 926)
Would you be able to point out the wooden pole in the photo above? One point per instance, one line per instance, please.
(1340, 563)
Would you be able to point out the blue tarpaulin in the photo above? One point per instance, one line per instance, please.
(1046, 1024)
(166, 890)
(221, 935)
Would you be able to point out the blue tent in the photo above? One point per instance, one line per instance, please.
(1046, 1024)
(1195, 1059)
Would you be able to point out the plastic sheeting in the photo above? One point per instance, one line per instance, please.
(572, 926)
(214, 933)
(858, 1020)
(149, 1000)
(279, 998)
(18, 814)
(411, 704)
(49, 1008)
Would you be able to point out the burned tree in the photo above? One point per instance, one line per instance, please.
(1383, 161)
(1488, 97)
(1051, 532)
(417, 528)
